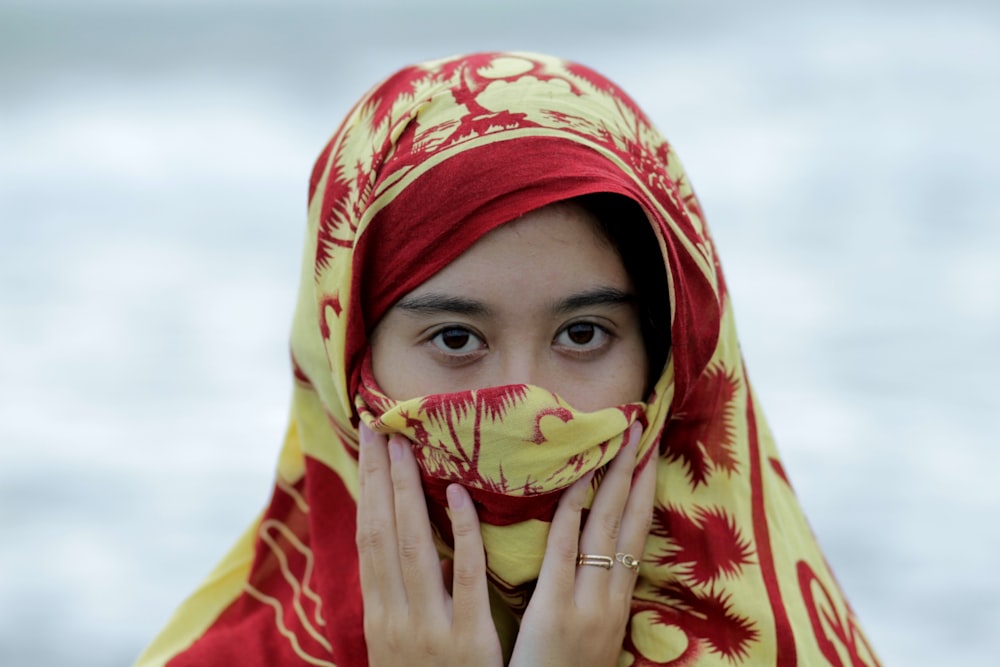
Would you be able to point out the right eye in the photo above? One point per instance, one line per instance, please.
(457, 341)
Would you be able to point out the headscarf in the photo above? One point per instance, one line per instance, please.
(426, 163)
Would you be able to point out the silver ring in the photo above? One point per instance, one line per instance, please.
(628, 560)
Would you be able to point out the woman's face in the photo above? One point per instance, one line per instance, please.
(542, 300)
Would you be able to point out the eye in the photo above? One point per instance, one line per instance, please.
(583, 337)
(457, 341)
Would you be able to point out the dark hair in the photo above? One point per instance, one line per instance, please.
(623, 222)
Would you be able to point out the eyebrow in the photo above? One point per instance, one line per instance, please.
(599, 296)
(434, 303)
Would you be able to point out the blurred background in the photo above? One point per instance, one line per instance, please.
(154, 157)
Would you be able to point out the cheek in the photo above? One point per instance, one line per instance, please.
(629, 385)
(634, 368)
(403, 371)
(621, 379)
(390, 366)
(379, 364)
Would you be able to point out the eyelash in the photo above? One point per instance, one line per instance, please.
(600, 333)
(449, 353)
(583, 351)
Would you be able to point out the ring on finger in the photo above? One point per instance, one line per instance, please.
(592, 559)
(628, 560)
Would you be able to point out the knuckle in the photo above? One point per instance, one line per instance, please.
(427, 646)
(611, 525)
(565, 549)
(465, 575)
(620, 605)
(575, 501)
(401, 481)
(433, 642)
(371, 537)
(383, 629)
(369, 465)
(395, 637)
(463, 528)
(600, 624)
(409, 546)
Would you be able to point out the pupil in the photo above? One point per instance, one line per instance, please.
(454, 339)
(581, 334)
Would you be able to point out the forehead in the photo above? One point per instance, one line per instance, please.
(555, 248)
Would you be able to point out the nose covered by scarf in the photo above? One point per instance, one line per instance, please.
(428, 161)
(515, 449)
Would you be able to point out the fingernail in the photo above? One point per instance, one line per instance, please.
(364, 434)
(456, 499)
(395, 449)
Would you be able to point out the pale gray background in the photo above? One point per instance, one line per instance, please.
(154, 158)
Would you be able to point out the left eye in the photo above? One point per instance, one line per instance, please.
(583, 335)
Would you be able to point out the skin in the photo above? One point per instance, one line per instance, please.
(542, 300)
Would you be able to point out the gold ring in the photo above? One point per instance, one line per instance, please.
(600, 561)
(628, 560)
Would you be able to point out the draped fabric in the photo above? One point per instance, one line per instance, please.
(424, 165)
(514, 448)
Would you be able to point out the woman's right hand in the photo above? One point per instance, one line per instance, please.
(409, 616)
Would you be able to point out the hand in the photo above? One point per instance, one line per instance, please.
(578, 614)
(409, 616)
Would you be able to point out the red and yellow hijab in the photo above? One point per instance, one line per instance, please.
(425, 164)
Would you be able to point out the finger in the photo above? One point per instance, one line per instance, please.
(636, 522)
(470, 598)
(558, 574)
(604, 522)
(418, 558)
(378, 560)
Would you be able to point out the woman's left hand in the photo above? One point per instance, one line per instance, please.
(578, 614)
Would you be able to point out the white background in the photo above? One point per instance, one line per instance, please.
(154, 158)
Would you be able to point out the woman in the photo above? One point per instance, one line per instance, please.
(521, 429)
